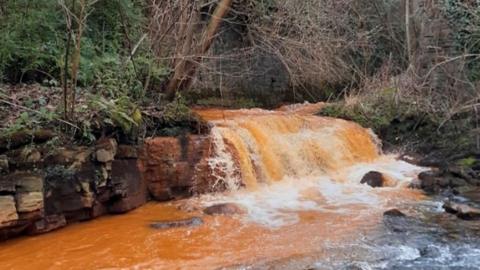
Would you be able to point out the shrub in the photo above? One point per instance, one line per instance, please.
(121, 112)
(32, 40)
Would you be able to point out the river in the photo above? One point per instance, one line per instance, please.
(297, 176)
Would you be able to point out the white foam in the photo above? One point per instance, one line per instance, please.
(222, 162)
(279, 204)
(408, 253)
(399, 170)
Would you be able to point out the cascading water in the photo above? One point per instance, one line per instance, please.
(298, 178)
(272, 146)
(290, 160)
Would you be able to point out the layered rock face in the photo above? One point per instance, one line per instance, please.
(43, 190)
(177, 167)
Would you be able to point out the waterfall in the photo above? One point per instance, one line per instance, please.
(255, 147)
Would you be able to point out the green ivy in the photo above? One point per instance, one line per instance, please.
(465, 20)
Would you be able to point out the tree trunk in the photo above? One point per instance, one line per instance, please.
(76, 56)
(183, 53)
(186, 68)
(408, 36)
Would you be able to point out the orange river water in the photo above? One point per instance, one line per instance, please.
(127, 242)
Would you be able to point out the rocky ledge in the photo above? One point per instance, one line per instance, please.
(43, 189)
(449, 177)
(448, 173)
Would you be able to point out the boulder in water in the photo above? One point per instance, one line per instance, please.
(373, 179)
(168, 224)
(430, 181)
(397, 221)
(462, 210)
(394, 213)
(430, 251)
(227, 209)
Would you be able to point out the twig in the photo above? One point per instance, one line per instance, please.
(132, 53)
(448, 61)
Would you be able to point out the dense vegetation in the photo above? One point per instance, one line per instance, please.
(399, 66)
(36, 35)
(115, 68)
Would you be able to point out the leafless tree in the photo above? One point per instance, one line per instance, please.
(179, 35)
(76, 14)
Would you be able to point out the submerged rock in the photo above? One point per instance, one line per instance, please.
(462, 210)
(394, 213)
(398, 222)
(47, 224)
(373, 179)
(430, 251)
(190, 222)
(227, 209)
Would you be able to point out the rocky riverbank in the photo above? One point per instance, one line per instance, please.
(455, 180)
(44, 188)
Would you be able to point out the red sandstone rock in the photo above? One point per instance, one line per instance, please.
(71, 187)
(176, 167)
(129, 187)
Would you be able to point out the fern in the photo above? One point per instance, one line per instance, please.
(119, 112)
